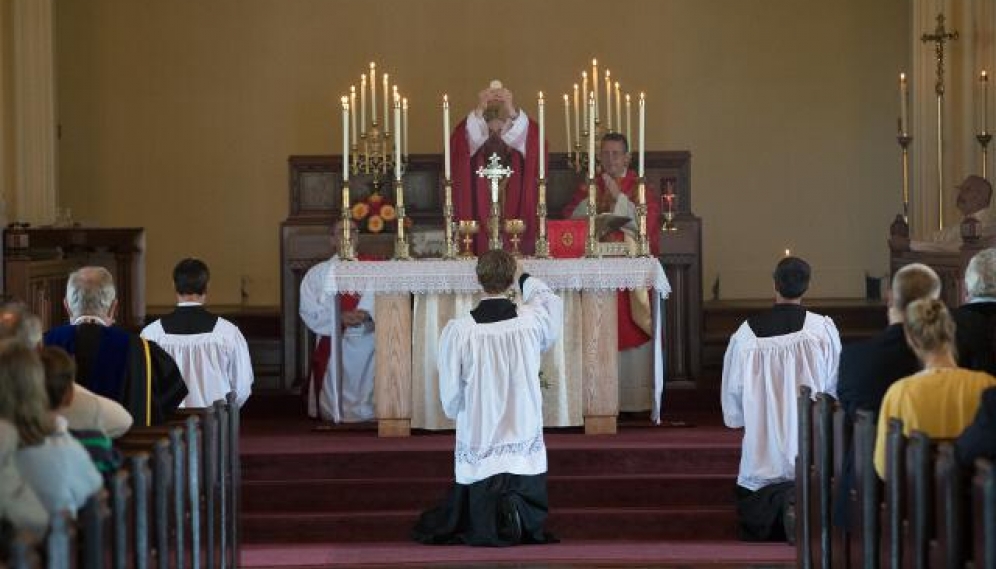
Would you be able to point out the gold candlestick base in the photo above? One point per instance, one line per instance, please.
(494, 227)
(984, 139)
(542, 248)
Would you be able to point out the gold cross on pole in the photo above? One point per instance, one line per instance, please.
(940, 37)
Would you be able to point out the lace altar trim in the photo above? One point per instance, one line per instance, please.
(471, 456)
(435, 276)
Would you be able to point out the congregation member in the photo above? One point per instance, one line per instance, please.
(489, 365)
(978, 218)
(769, 358)
(111, 361)
(979, 439)
(616, 195)
(339, 393)
(496, 126)
(54, 465)
(19, 505)
(976, 318)
(87, 410)
(940, 400)
(211, 352)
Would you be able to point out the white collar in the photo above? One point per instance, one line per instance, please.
(189, 303)
(88, 319)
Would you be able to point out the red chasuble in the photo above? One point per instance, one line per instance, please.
(472, 194)
(630, 334)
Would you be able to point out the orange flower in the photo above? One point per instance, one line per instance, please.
(375, 224)
(388, 212)
(360, 210)
(375, 198)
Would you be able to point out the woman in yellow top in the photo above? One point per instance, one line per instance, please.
(942, 399)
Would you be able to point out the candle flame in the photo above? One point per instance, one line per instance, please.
(565, 97)
(788, 253)
(641, 95)
(541, 95)
(984, 76)
(575, 86)
(584, 74)
(404, 102)
(372, 66)
(617, 84)
(352, 89)
(627, 97)
(345, 102)
(607, 73)
(902, 77)
(594, 62)
(446, 98)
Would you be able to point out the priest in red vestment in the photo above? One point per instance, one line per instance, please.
(496, 126)
(616, 194)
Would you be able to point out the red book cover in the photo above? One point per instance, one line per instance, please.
(566, 237)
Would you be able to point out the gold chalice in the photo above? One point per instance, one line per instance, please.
(514, 228)
(468, 228)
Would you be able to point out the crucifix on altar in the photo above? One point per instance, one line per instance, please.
(494, 172)
(940, 37)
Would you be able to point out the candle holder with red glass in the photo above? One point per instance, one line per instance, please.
(670, 200)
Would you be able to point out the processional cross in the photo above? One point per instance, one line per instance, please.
(494, 172)
(940, 37)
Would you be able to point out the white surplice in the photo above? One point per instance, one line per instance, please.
(346, 394)
(489, 383)
(761, 380)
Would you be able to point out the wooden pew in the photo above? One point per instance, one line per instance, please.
(894, 508)
(235, 472)
(141, 518)
(24, 551)
(120, 517)
(821, 474)
(93, 528)
(866, 496)
(842, 446)
(948, 549)
(803, 481)
(919, 492)
(984, 514)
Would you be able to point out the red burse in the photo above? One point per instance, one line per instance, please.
(566, 237)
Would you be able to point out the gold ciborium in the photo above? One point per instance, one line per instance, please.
(468, 228)
(514, 228)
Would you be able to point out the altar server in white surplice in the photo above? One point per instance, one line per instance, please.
(489, 365)
(211, 352)
(339, 395)
(769, 358)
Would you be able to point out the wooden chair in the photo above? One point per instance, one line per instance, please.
(894, 510)
(984, 514)
(866, 495)
(803, 481)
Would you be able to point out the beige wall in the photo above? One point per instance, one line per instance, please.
(179, 115)
(7, 192)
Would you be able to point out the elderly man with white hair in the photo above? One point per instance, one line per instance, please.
(976, 319)
(111, 361)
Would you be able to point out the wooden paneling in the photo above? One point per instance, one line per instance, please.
(393, 363)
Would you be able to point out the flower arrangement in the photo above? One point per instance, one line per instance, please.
(375, 213)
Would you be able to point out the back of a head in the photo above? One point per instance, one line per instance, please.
(980, 275)
(191, 276)
(496, 271)
(90, 292)
(17, 324)
(792, 277)
(928, 325)
(23, 401)
(914, 282)
(60, 374)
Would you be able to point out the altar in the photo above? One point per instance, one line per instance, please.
(415, 299)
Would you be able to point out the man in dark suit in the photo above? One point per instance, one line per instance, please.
(976, 319)
(979, 439)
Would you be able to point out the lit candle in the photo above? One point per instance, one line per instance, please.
(567, 122)
(618, 109)
(903, 104)
(363, 103)
(591, 137)
(446, 136)
(345, 153)
(584, 82)
(669, 196)
(608, 100)
(386, 94)
(643, 128)
(788, 253)
(577, 119)
(373, 93)
(397, 138)
(594, 85)
(404, 124)
(984, 81)
(629, 120)
(352, 110)
(542, 136)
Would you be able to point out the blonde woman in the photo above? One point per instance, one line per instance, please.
(50, 460)
(942, 399)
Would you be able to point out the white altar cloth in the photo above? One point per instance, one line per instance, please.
(446, 289)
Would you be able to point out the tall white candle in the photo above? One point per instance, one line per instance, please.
(629, 121)
(594, 86)
(542, 137)
(446, 136)
(903, 104)
(397, 139)
(618, 109)
(591, 137)
(345, 140)
(373, 93)
(643, 132)
(352, 111)
(984, 80)
(386, 105)
(577, 119)
(608, 100)
(584, 83)
(567, 122)
(404, 124)
(363, 103)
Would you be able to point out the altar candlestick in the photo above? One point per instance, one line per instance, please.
(542, 137)
(363, 103)
(387, 93)
(397, 139)
(629, 120)
(591, 137)
(345, 141)
(446, 136)
(584, 83)
(594, 86)
(404, 124)
(618, 109)
(577, 118)
(373, 93)
(904, 95)
(567, 122)
(984, 82)
(352, 110)
(608, 100)
(643, 128)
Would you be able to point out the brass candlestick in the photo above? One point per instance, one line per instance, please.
(494, 226)
(904, 140)
(450, 250)
(347, 251)
(642, 242)
(591, 243)
(401, 250)
(984, 139)
(542, 244)
(468, 228)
